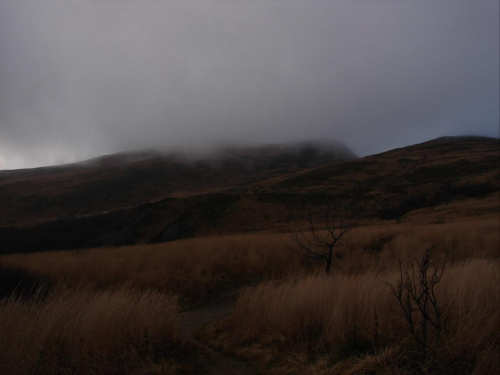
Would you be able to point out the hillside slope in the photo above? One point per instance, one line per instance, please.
(126, 180)
(438, 173)
(395, 182)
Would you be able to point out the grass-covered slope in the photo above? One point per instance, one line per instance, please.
(393, 183)
(446, 175)
(127, 180)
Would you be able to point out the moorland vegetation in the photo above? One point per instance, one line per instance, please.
(414, 288)
(113, 310)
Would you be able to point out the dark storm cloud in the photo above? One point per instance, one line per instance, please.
(83, 78)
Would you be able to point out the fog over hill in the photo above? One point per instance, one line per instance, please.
(125, 180)
(144, 198)
(308, 153)
(81, 79)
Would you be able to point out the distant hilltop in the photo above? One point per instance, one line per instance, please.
(124, 180)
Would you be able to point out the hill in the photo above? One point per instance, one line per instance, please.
(126, 180)
(395, 182)
(242, 190)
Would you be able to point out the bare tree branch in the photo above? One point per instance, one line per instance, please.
(415, 294)
(321, 242)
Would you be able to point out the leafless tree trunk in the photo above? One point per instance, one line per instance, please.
(321, 242)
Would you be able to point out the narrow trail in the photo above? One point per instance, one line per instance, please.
(218, 363)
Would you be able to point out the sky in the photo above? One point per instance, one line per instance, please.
(79, 79)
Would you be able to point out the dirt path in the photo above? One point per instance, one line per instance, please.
(218, 363)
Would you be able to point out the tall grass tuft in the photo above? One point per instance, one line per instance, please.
(350, 315)
(83, 330)
(195, 268)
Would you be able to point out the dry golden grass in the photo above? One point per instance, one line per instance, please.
(346, 323)
(86, 331)
(328, 324)
(195, 268)
(381, 247)
(345, 317)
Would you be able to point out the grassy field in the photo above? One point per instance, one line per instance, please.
(116, 310)
(83, 330)
(350, 323)
(194, 269)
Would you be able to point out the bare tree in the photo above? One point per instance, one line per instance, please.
(415, 294)
(320, 242)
